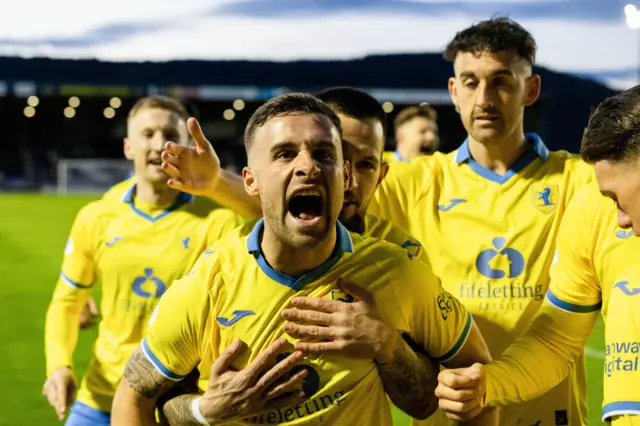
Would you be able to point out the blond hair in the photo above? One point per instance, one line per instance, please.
(160, 102)
(410, 113)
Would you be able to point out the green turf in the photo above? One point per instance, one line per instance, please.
(33, 231)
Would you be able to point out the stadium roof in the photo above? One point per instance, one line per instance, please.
(582, 37)
(415, 75)
(566, 100)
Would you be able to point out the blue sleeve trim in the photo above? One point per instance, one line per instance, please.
(461, 340)
(620, 408)
(158, 365)
(570, 307)
(72, 283)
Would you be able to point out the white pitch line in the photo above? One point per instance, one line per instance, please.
(594, 353)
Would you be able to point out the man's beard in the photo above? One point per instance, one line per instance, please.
(355, 223)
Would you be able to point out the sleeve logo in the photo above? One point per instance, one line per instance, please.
(444, 304)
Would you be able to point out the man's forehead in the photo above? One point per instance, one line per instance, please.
(362, 134)
(298, 128)
(362, 148)
(156, 117)
(486, 61)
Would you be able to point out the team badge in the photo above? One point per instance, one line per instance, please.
(339, 295)
(545, 197)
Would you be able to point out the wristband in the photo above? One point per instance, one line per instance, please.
(197, 414)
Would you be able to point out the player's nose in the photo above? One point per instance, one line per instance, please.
(157, 141)
(484, 99)
(352, 181)
(306, 165)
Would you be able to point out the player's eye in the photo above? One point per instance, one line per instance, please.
(323, 155)
(285, 155)
(147, 134)
(366, 165)
(470, 84)
(171, 136)
(501, 81)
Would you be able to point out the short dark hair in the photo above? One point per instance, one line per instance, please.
(494, 35)
(613, 132)
(412, 112)
(287, 104)
(354, 103)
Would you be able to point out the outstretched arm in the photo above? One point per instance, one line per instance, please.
(196, 170)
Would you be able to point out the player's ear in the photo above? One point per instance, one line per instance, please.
(453, 91)
(250, 182)
(384, 169)
(128, 149)
(532, 87)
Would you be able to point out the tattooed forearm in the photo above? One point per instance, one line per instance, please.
(175, 405)
(144, 378)
(410, 381)
(177, 411)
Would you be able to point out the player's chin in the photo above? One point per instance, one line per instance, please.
(352, 220)
(155, 174)
(486, 135)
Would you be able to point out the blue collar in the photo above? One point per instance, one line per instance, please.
(183, 198)
(398, 157)
(344, 244)
(537, 149)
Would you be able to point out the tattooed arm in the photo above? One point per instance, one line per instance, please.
(410, 380)
(175, 405)
(137, 395)
(235, 394)
(358, 330)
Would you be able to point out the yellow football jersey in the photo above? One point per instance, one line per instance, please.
(491, 239)
(392, 156)
(233, 293)
(597, 267)
(134, 251)
(375, 227)
(117, 191)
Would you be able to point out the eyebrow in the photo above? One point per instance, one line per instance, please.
(371, 158)
(314, 144)
(503, 71)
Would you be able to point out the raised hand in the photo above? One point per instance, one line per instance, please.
(461, 392)
(193, 169)
(355, 329)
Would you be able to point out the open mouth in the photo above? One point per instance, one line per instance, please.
(157, 162)
(306, 206)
